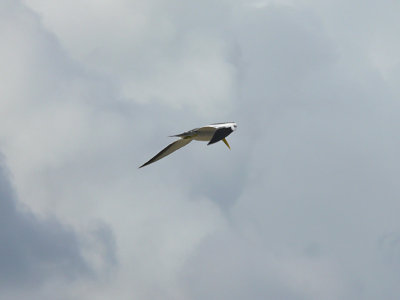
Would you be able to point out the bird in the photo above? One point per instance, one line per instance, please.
(211, 133)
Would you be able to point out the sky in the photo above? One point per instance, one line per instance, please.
(304, 206)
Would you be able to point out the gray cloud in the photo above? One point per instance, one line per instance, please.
(319, 182)
(305, 204)
(33, 250)
(38, 251)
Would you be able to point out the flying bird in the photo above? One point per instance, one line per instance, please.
(211, 133)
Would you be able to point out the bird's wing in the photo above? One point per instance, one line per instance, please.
(168, 150)
(220, 134)
(186, 134)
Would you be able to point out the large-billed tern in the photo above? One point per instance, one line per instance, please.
(211, 133)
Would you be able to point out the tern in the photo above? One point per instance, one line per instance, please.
(211, 133)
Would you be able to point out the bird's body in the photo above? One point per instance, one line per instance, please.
(211, 133)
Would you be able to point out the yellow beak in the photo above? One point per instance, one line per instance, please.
(226, 143)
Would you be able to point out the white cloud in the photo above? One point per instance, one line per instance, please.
(303, 206)
(151, 50)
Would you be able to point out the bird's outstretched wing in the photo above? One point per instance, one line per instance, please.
(168, 150)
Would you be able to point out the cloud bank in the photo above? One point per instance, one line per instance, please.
(303, 207)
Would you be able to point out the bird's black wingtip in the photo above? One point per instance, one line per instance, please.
(145, 164)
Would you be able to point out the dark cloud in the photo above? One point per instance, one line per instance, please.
(38, 250)
(304, 206)
(33, 249)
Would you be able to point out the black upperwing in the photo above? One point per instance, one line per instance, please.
(220, 134)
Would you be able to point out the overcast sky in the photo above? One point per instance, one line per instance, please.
(305, 205)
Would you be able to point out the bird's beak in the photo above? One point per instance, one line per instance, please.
(226, 143)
